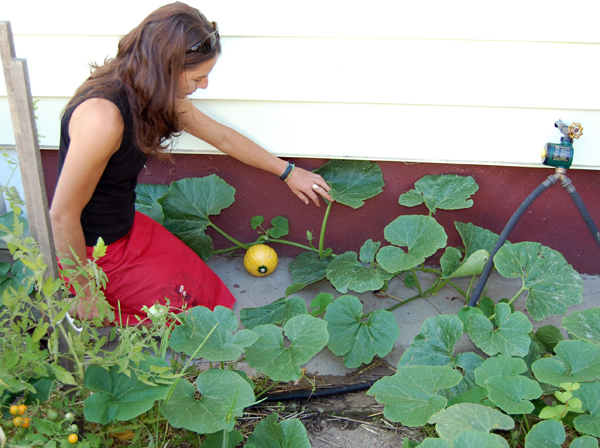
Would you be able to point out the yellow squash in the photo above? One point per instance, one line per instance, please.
(260, 260)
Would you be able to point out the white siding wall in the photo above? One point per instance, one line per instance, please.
(434, 81)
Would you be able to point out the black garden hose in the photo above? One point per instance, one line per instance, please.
(302, 394)
(504, 236)
(566, 182)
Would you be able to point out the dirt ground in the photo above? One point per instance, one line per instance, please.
(347, 420)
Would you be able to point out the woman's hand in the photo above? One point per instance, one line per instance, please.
(303, 183)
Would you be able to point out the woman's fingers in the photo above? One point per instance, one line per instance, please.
(307, 185)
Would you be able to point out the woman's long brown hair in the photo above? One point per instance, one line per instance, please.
(148, 63)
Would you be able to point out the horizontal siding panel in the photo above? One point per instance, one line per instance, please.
(512, 20)
(385, 71)
(486, 136)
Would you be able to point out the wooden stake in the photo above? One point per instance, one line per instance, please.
(30, 162)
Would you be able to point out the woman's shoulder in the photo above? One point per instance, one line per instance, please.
(98, 115)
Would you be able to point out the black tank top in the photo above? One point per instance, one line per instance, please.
(109, 213)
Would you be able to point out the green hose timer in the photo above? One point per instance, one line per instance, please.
(561, 154)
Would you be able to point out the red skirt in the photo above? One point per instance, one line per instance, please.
(151, 265)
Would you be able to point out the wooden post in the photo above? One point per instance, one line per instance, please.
(30, 161)
(28, 151)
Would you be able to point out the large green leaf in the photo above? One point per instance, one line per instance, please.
(499, 365)
(511, 337)
(552, 284)
(575, 361)
(434, 345)
(308, 335)
(589, 394)
(546, 434)
(450, 422)
(215, 440)
(355, 340)
(225, 394)
(478, 439)
(290, 433)
(352, 181)
(466, 363)
(443, 191)
(584, 324)
(410, 394)
(346, 272)
(549, 336)
(512, 393)
(146, 200)
(274, 313)
(308, 268)
(224, 344)
(422, 235)
(118, 396)
(584, 442)
(476, 238)
(368, 251)
(19, 276)
(188, 205)
(430, 442)
(452, 266)
(280, 227)
(10, 221)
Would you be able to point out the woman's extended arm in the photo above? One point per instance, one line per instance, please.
(233, 143)
(96, 130)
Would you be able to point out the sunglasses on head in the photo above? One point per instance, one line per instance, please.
(208, 43)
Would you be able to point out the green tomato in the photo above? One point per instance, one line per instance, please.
(51, 414)
(69, 416)
(73, 428)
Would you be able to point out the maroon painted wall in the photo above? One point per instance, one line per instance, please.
(552, 220)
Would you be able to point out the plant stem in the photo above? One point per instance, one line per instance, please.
(176, 382)
(275, 383)
(414, 274)
(510, 302)
(322, 237)
(458, 288)
(269, 240)
(230, 238)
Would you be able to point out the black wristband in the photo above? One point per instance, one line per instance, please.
(287, 171)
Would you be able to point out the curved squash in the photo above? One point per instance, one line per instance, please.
(260, 260)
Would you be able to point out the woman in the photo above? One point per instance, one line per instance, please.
(125, 112)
